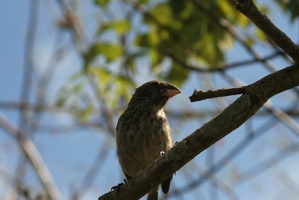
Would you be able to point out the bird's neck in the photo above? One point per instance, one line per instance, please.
(141, 105)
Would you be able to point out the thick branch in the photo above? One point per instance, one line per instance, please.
(248, 8)
(227, 121)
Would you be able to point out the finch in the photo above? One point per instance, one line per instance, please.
(143, 132)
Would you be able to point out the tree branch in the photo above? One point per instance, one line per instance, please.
(248, 8)
(268, 163)
(225, 160)
(199, 95)
(226, 25)
(224, 123)
(275, 111)
(29, 149)
(222, 67)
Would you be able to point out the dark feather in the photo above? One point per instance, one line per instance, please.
(166, 184)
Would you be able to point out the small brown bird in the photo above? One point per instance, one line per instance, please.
(143, 132)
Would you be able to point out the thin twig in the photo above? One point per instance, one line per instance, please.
(29, 44)
(25, 120)
(220, 68)
(199, 95)
(92, 172)
(269, 162)
(30, 151)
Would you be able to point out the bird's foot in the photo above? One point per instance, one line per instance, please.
(117, 187)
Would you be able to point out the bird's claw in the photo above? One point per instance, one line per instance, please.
(117, 187)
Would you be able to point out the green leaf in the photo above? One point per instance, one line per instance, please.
(67, 92)
(293, 8)
(162, 13)
(177, 75)
(290, 6)
(155, 57)
(110, 51)
(177, 7)
(102, 75)
(102, 3)
(85, 113)
(113, 86)
(120, 27)
(123, 84)
(151, 39)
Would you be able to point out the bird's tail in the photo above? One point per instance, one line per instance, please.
(153, 194)
(166, 184)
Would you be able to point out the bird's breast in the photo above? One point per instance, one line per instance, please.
(143, 136)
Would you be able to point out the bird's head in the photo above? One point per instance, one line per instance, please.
(154, 93)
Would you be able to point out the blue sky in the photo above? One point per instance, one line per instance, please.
(70, 154)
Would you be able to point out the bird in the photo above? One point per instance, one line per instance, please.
(143, 132)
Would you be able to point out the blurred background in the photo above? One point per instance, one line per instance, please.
(69, 68)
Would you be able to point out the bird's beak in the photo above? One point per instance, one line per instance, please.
(172, 91)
